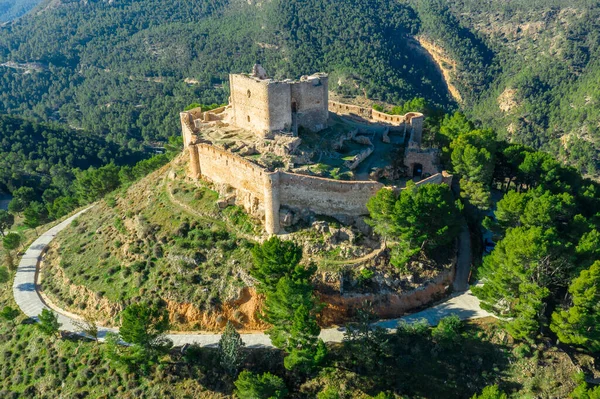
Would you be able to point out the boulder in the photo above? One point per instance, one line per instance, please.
(230, 200)
(248, 150)
(322, 227)
(363, 227)
(386, 136)
(222, 203)
(363, 140)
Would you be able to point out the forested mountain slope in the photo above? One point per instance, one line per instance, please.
(11, 9)
(546, 88)
(34, 155)
(124, 68)
(127, 67)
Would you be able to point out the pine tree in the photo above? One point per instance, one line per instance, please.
(6, 221)
(48, 322)
(231, 350)
(9, 314)
(290, 304)
(267, 385)
(516, 277)
(578, 325)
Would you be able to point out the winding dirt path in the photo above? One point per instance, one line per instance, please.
(27, 296)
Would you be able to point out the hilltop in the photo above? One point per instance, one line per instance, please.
(170, 238)
(123, 68)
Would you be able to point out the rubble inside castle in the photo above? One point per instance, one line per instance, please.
(331, 163)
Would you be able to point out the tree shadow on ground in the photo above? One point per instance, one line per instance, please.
(417, 366)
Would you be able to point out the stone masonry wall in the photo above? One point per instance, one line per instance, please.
(349, 109)
(265, 105)
(187, 127)
(262, 193)
(427, 159)
(411, 119)
(252, 101)
(226, 169)
(280, 106)
(326, 196)
(310, 98)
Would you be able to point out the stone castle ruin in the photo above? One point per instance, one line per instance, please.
(265, 106)
(269, 149)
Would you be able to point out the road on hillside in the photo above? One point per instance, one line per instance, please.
(27, 296)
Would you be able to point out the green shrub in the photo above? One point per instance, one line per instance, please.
(253, 386)
(329, 393)
(111, 201)
(522, 351)
(418, 328)
(447, 332)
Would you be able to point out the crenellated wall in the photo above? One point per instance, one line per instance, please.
(326, 196)
(262, 193)
(414, 120)
(349, 109)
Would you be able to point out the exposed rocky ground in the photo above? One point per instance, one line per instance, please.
(166, 238)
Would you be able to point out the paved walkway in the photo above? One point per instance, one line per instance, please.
(464, 259)
(25, 290)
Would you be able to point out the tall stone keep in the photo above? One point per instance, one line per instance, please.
(264, 106)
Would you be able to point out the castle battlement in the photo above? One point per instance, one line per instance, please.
(261, 108)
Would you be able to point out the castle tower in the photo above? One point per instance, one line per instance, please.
(194, 170)
(264, 106)
(272, 203)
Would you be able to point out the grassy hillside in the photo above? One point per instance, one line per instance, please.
(141, 242)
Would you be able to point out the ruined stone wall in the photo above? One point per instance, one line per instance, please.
(438, 178)
(262, 193)
(252, 102)
(310, 98)
(326, 196)
(342, 308)
(427, 158)
(387, 118)
(226, 169)
(349, 109)
(416, 122)
(187, 128)
(280, 106)
(413, 120)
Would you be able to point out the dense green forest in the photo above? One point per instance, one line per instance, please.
(39, 155)
(50, 170)
(125, 68)
(11, 9)
(120, 67)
